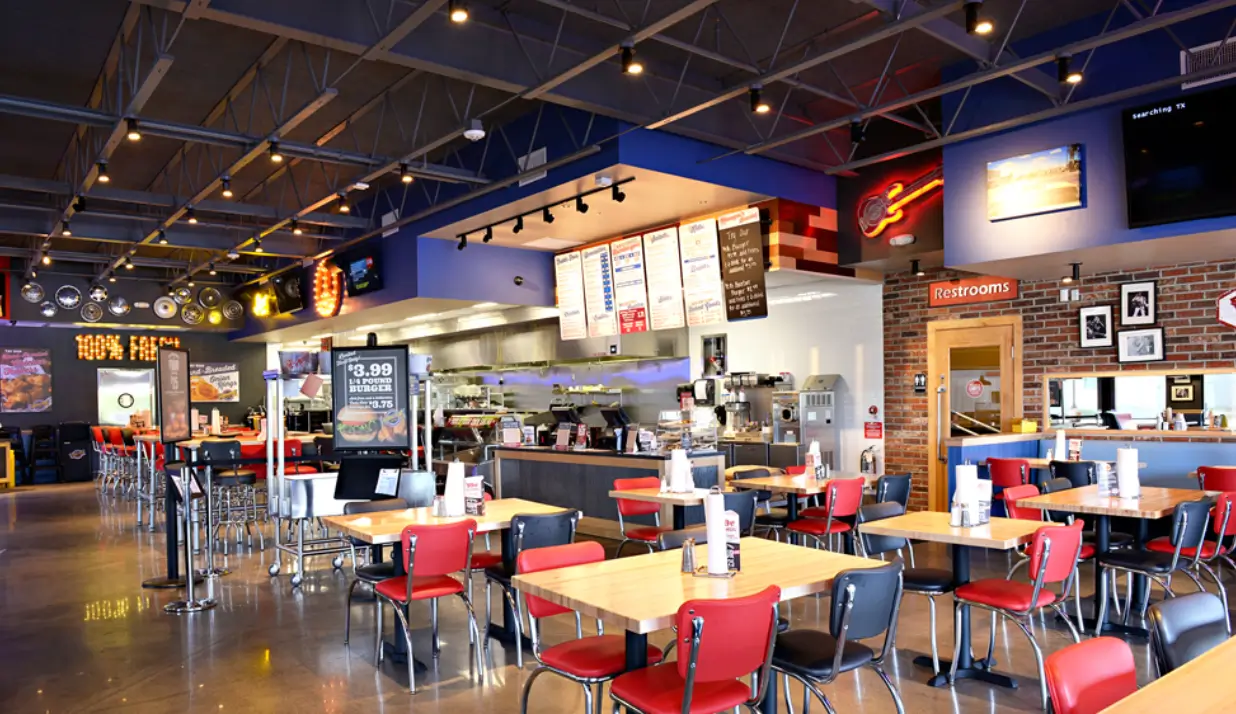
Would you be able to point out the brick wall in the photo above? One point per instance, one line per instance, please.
(1185, 309)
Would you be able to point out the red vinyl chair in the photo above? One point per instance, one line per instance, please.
(255, 451)
(646, 535)
(431, 553)
(295, 449)
(587, 661)
(842, 499)
(719, 641)
(1053, 560)
(1216, 478)
(1090, 676)
(1007, 473)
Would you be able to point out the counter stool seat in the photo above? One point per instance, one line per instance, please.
(424, 587)
(593, 657)
(810, 653)
(928, 580)
(234, 477)
(660, 690)
(376, 572)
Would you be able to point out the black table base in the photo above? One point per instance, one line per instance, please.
(173, 579)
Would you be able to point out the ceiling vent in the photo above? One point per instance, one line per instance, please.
(1202, 57)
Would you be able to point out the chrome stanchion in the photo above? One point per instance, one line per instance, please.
(190, 603)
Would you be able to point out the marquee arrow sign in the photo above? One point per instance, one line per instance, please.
(1227, 308)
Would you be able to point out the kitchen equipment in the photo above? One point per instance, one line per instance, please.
(819, 416)
(786, 426)
(32, 292)
(737, 415)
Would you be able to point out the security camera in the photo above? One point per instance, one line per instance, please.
(519, 280)
(475, 132)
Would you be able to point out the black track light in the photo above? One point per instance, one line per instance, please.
(46, 259)
(580, 206)
(190, 216)
(296, 229)
(916, 268)
(79, 204)
(343, 203)
(1065, 73)
(275, 155)
(34, 273)
(858, 132)
(630, 65)
(64, 228)
(976, 25)
(546, 215)
(1074, 276)
(457, 11)
(190, 283)
(463, 241)
(519, 224)
(128, 263)
(162, 237)
(489, 234)
(257, 245)
(212, 269)
(758, 105)
(111, 278)
(132, 133)
(617, 194)
(103, 175)
(404, 174)
(227, 187)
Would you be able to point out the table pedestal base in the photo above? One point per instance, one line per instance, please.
(980, 670)
(183, 606)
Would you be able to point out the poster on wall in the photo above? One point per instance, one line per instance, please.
(742, 265)
(214, 382)
(630, 285)
(370, 390)
(599, 291)
(569, 278)
(25, 380)
(1041, 182)
(701, 273)
(664, 270)
(172, 389)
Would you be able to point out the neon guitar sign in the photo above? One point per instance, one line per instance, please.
(883, 209)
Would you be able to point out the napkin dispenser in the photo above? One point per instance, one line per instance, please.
(454, 494)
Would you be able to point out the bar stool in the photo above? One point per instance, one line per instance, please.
(842, 498)
(98, 445)
(227, 482)
(1090, 676)
(645, 535)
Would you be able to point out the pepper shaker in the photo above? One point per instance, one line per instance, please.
(688, 556)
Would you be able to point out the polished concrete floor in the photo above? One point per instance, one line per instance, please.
(78, 634)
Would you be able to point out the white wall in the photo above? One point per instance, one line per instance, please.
(842, 334)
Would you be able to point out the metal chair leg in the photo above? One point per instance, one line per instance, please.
(433, 619)
(480, 653)
(1227, 619)
(347, 618)
(1038, 658)
(991, 641)
(523, 697)
(407, 636)
(519, 622)
(935, 652)
(377, 640)
(1103, 598)
(892, 689)
(952, 674)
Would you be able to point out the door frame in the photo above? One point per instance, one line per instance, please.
(1012, 387)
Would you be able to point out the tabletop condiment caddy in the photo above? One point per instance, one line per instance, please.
(971, 498)
(722, 528)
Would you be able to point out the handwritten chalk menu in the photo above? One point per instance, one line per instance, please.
(664, 270)
(370, 389)
(701, 272)
(569, 276)
(630, 287)
(742, 265)
(599, 291)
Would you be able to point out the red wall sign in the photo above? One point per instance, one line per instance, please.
(873, 430)
(974, 389)
(985, 288)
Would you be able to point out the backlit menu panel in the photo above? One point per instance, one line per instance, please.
(665, 307)
(701, 273)
(599, 291)
(630, 286)
(569, 276)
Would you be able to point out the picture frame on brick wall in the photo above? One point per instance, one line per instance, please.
(1138, 303)
(1094, 326)
(1140, 345)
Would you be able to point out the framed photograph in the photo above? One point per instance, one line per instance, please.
(1182, 392)
(1042, 182)
(1140, 345)
(1095, 326)
(1137, 303)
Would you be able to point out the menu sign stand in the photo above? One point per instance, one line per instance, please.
(742, 265)
(370, 389)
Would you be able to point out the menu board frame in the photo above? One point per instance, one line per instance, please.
(602, 311)
(391, 427)
(172, 395)
(740, 240)
(572, 319)
(700, 254)
(43, 353)
(664, 281)
(630, 284)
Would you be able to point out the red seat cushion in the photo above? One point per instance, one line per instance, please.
(1164, 545)
(647, 534)
(817, 527)
(485, 559)
(1006, 594)
(659, 690)
(297, 469)
(1088, 551)
(602, 656)
(423, 588)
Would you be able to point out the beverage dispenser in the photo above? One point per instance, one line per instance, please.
(819, 415)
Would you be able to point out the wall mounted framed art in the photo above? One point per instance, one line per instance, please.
(1094, 325)
(1140, 345)
(1042, 182)
(1138, 303)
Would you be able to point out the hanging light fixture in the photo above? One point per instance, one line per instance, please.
(858, 132)
(212, 269)
(111, 278)
(190, 216)
(976, 25)
(463, 241)
(103, 175)
(64, 228)
(1065, 73)
(128, 263)
(617, 194)
(489, 234)
(916, 268)
(519, 224)
(1074, 276)
(131, 131)
(257, 245)
(191, 283)
(457, 11)
(343, 203)
(580, 206)
(296, 229)
(404, 174)
(275, 155)
(546, 215)
(46, 259)
(758, 105)
(227, 187)
(630, 65)
(162, 237)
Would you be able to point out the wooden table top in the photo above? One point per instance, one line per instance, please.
(1037, 462)
(642, 593)
(386, 526)
(654, 495)
(1197, 686)
(999, 534)
(1155, 502)
(802, 485)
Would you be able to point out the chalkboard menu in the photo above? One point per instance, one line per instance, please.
(742, 265)
(370, 387)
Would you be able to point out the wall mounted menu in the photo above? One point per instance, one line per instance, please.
(370, 389)
(630, 286)
(25, 380)
(701, 273)
(569, 277)
(742, 265)
(664, 269)
(599, 291)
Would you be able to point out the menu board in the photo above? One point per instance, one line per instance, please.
(701, 273)
(25, 380)
(742, 265)
(370, 389)
(172, 380)
(599, 291)
(569, 278)
(214, 382)
(664, 270)
(630, 287)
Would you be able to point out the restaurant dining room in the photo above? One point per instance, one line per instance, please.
(690, 357)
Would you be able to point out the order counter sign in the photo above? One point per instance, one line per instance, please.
(370, 387)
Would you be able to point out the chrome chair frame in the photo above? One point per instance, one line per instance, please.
(592, 704)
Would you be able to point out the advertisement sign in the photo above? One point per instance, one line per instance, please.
(370, 389)
(701, 273)
(172, 392)
(25, 380)
(214, 382)
(966, 291)
(742, 265)
(630, 286)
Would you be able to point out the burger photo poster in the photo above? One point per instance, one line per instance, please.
(370, 389)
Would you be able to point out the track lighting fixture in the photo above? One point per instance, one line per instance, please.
(463, 241)
(257, 245)
(233, 254)
(227, 187)
(190, 216)
(212, 269)
(275, 155)
(617, 194)
(976, 25)
(191, 283)
(128, 264)
(1065, 74)
(296, 229)
(131, 130)
(79, 204)
(457, 11)
(1074, 276)
(162, 237)
(46, 259)
(546, 215)
(519, 224)
(343, 203)
(858, 132)
(489, 234)
(916, 268)
(111, 278)
(580, 206)
(758, 105)
(630, 65)
(33, 273)
(103, 175)
(404, 174)
(64, 228)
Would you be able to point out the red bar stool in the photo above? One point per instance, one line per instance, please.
(431, 553)
(719, 641)
(1053, 559)
(587, 661)
(1090, 676)
(1216, 478)
(645, 535)
(842, 498)
(99, 444)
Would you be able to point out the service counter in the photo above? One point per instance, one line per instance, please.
(583, 479)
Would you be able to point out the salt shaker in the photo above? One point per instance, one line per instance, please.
(439, 506)
(688, 556)
(955, 515)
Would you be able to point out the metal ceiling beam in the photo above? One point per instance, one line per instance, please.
(68, 256)
(955, 36)
(724, 59)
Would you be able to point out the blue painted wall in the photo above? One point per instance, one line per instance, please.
(970, 237)
(484, 273)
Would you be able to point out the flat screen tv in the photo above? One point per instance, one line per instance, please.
(362, 270)
(287, 288)
(1178, 158)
